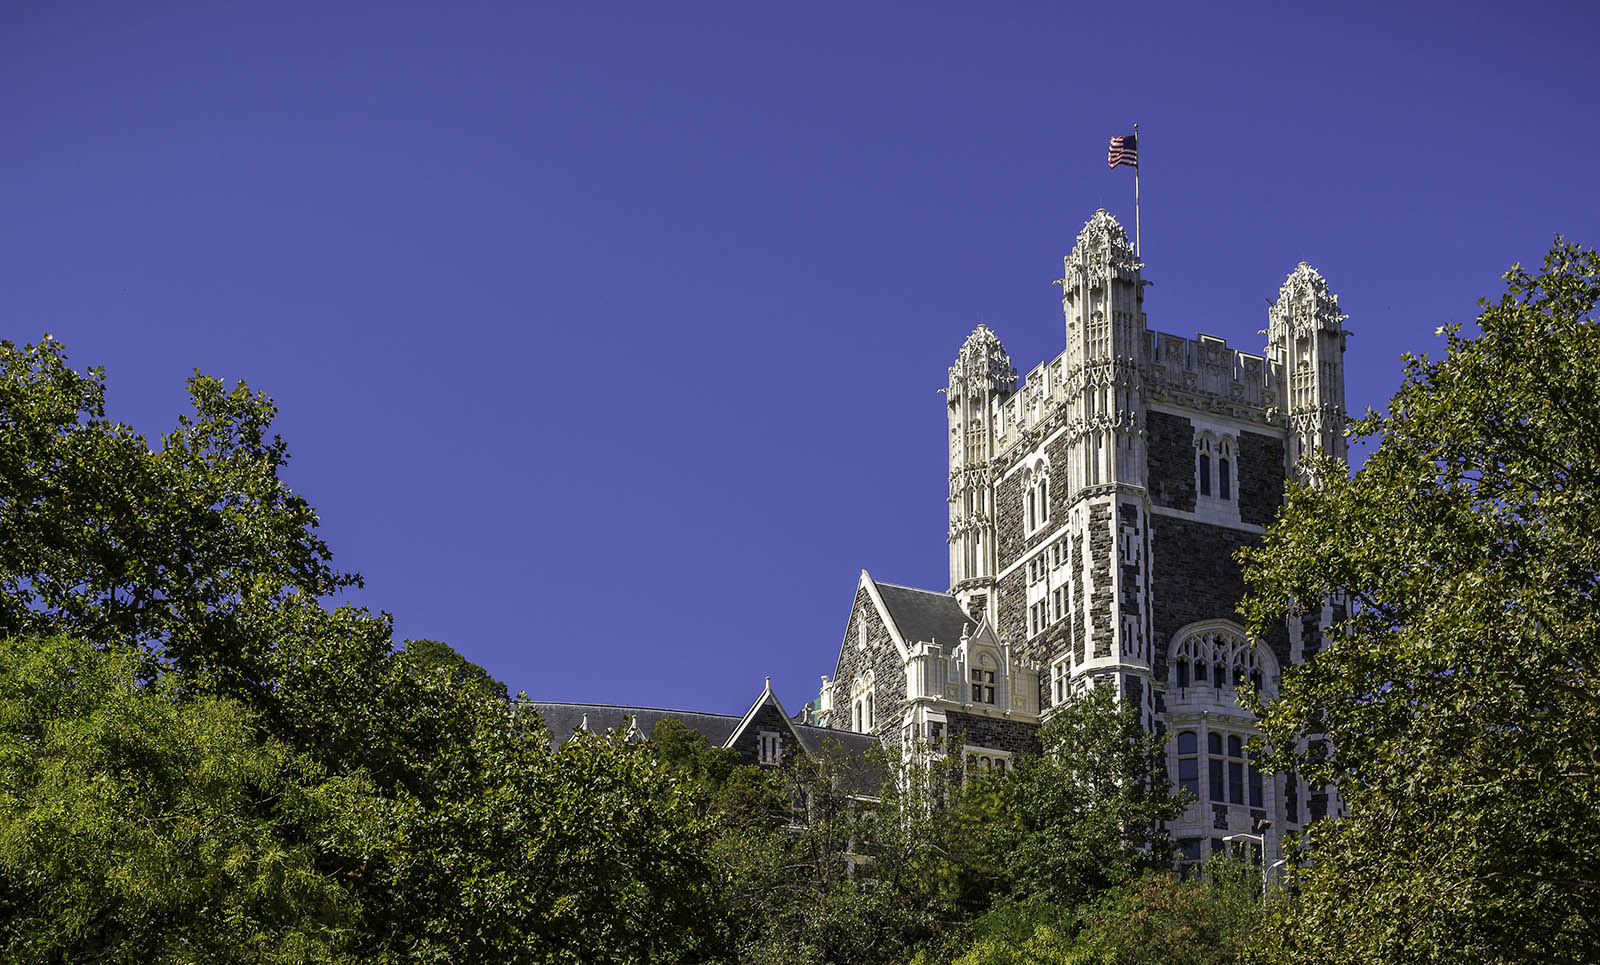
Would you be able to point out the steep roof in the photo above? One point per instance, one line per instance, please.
(923, 615)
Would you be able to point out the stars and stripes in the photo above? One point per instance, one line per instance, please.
(1123, 150)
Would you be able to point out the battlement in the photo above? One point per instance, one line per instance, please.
(1203, 371)
(1207, 366)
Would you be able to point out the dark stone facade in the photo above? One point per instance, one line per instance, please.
(1261, 477)
(1169, 442)
(995, 733)
(883, 658)
(1011, 620)
(767, 718)
(1102, 550)
(1196, 579)
(1079, 634)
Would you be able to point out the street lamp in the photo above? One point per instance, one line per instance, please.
(1260, 838)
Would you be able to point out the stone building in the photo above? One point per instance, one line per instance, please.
(1094, 511)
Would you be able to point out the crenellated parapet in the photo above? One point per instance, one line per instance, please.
(1207, 374)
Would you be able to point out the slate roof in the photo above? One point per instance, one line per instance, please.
(816, 737)
(924, 615)
(861, 772)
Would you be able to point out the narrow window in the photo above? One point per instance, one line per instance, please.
(1189, 762)
(1044, 498)
(1255, 782)
(1183, 674)
(1031, 521)
(1200, 671)
(1205, 475)
(1214, 748)
(1224, 487)
(1235, 771)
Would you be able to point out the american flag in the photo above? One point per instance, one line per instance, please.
(1123, 150)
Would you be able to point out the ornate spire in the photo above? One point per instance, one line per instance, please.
(1304, 304)
(1102, 243)
(982, 366)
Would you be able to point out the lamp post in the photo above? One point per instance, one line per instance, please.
(1260, 838)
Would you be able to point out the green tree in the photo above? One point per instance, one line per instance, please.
(197, 567)
(1088, 812)
(138, 826)
(1461, 695)
(186, 546)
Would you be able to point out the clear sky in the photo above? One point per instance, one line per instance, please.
(607, 337)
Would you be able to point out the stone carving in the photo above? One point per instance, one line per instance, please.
(982, 366)
(1304, 304)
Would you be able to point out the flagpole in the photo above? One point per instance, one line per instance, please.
(1136, 146)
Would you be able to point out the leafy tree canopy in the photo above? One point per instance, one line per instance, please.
(1087, 813)
(1461, 695)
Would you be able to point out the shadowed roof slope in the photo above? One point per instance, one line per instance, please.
(923, 615)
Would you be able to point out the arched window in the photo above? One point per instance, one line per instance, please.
(1037, 501)
(1223, 488)
(1205, 474)
(1218, 656)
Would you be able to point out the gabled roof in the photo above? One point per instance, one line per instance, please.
(767, 697)
(923, 615)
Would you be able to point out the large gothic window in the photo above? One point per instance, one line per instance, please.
(1218, 657)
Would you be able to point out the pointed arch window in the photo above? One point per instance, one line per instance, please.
(1037, 496)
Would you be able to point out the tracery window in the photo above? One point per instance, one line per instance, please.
(1219, 657)
(1214, 466)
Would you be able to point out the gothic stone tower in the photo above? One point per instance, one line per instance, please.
(1094, 512)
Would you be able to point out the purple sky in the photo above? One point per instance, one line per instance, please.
(608, 344)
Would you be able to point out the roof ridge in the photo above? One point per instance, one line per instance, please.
(901, 586)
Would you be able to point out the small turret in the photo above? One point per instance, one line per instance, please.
(1306, 337)
(982, 377)
(1102, 298)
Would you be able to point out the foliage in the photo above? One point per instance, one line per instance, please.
(1158, 919)
(137, 826)
(1087, 813)
(1162, 919)
(186, 546)
(1461, 693)
(248, 774)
